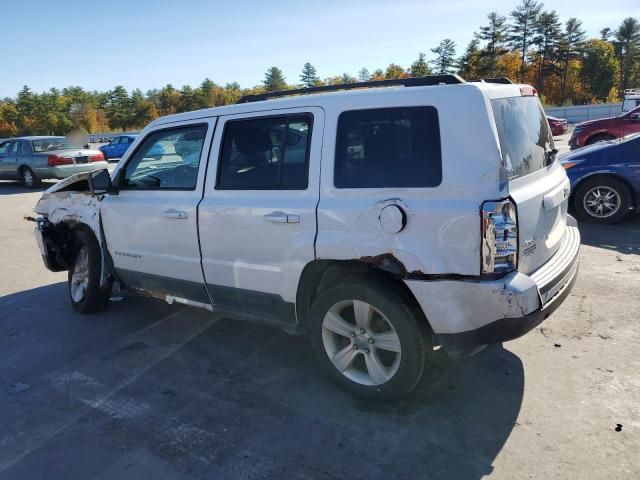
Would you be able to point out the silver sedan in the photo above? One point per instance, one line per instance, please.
(32, 159)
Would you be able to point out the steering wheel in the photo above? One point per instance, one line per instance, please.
(182, 176)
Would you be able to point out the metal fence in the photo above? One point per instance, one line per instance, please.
(581, 113)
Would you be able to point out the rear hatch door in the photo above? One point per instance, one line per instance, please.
(537, 182)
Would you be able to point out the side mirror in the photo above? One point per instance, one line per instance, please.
(100, 182)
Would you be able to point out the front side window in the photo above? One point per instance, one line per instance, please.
(270, 153)
(388, 147)
(4, 147)
(166, 159)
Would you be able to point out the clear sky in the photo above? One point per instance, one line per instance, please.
(147, 44)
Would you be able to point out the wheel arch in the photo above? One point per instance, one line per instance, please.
(600, 133)
(321, 274)
(606, 174)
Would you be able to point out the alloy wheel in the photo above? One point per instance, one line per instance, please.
(361, 342)
(80, 276)
(601, 202)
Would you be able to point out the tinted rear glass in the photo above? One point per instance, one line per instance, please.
(388, 147)
(524, 134)
(50, 144)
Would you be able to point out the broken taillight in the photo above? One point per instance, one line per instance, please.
(55, 160)
(499, 237)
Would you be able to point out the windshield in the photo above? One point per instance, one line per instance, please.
(50, 144)
(525, 138)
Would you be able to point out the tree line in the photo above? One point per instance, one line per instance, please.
(530, 44)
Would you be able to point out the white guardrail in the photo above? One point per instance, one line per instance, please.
(581, 113)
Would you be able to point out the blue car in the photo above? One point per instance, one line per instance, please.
(120, 144)
(605, 179)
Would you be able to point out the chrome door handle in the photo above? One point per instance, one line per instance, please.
(172, 213)
(281, 217)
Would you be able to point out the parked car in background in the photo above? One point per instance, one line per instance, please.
(631, 99)
(592, 131)
(32, 159)
(411, 237)
(559, 126)
(605, 179)
(120, 144)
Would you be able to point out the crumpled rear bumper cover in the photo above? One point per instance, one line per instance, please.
(467, 343)
(467, 315)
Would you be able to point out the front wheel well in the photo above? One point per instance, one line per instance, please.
(599, 136)
(321, 274)
(620, 178)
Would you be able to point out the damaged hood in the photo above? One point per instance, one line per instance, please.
(67, 182)
(60, 203)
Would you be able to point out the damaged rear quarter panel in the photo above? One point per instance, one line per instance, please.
(442, 232)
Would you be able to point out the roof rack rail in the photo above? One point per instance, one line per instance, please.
(445, 79)
(503, 80)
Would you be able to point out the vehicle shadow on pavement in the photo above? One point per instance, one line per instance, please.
(623, 237)
(237, 400)
(11, 188)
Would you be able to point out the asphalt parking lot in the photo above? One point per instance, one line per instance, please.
(149, 390)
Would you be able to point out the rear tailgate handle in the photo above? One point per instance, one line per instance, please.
(556, 196)
(281, 217)
(172, 213)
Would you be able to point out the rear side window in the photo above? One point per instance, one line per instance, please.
(388, 147)
(269, 153)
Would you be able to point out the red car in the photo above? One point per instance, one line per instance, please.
(558, 126)
(594, 131)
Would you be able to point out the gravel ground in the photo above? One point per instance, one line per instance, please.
(149, 390)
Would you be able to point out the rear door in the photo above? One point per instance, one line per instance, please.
(4, 159)
(258, 216)
(13, 159)
(538, 184)
(151, 224)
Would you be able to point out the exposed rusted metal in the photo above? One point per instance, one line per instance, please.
(386, 262)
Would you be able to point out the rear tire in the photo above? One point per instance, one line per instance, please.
(28, 178)
(600, 137)
(84, 276)
(603, 200)
(370, 337)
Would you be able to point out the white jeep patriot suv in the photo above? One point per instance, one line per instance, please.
(382, 219)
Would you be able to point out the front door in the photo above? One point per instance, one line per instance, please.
(151, 224)
(258, 214)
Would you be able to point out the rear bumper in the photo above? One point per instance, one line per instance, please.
(468, 315)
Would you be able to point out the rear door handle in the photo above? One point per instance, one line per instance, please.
(173, 213)
(281, 217)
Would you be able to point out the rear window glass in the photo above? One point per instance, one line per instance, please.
(50, 144)
(524, 135)
(388, 147)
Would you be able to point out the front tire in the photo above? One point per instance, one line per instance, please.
(84, 276)
(370, 337)
(602, 200)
